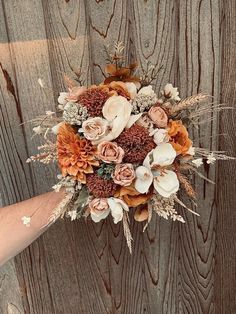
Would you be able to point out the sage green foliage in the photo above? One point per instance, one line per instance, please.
(106, 171)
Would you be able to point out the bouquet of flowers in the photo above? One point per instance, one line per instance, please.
(122, 149)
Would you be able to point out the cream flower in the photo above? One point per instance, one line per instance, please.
(110, 152)
(26, 220)
(144, 178)
(94, 128)
(99, 209)
(117, 111)
(124, 174)
(117, 207)
(132, 89)
(211, 159)
(133, 118)
(72, 214)
(197, 162)
(62, 99)
(171, 92)
(160, 136)
(38, 130)
(147, 90)
(167, 183)
(163, 155)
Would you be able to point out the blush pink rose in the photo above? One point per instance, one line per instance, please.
(124, 174)
(110, 152)
(75, 92)
(99, 209)
(158, 116)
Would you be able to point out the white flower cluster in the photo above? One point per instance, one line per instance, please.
(69, 183)
(74, 113)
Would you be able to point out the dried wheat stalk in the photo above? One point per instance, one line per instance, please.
(60, 209)
(186, 185)
(188, 102)
(127, 232)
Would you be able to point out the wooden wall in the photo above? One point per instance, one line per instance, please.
(86, 268)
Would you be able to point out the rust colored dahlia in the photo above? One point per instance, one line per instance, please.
(101, 187)
(136, 143)
(76, 156)
(94, 98)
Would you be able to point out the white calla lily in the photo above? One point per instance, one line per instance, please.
(166, 184)
(133, 118)
(163, 155)
(117, 206)
(144, 178)
(117, 111)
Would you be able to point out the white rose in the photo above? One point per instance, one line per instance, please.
(147, 90)
(171, 92)
(62, 99)
(94, 128)
(166, 184)
(117, 206)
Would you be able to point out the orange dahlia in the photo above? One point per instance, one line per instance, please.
(76, 156)
(179, 137)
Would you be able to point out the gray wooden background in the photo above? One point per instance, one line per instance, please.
(86, 268)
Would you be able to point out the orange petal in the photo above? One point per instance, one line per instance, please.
(141, 214)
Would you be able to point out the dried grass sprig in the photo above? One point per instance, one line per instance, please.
(186, 185)
(188, 103)
(219, 155)
(60, 210)
(127, 232)
(184, 206)
(149, 217)
(48, 155)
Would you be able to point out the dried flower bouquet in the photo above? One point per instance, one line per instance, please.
(123, 150)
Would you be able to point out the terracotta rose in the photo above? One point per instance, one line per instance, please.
(124, 174)
(158, 116)
(110, 152)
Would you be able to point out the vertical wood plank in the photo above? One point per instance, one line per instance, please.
(225, 272)
(86, 268)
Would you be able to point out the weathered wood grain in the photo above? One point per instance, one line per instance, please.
(86, 268)
(225, 279)
(10, 294)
